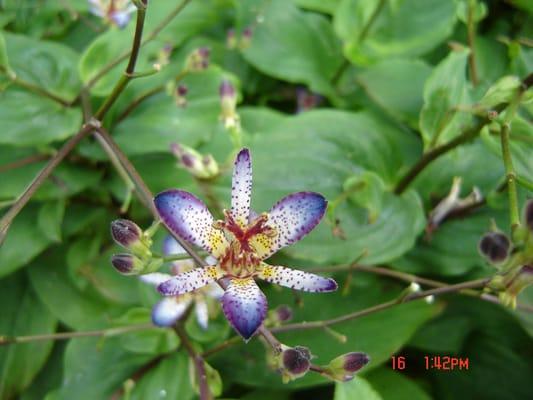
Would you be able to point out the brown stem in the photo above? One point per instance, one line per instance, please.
(23, 161)
(137, 101)
(39, 90)
(471, 27)
(199, 363)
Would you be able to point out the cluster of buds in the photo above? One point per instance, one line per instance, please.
(242, 43)
(114, 12)
(163, 56)
(228, 105)
(514, 263)
(198, 60)
(127, 234)
(200, 166)
(343, 368)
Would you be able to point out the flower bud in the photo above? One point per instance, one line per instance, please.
(127, 264)
(246, 38)
(494, 246)
(228, 105)
(515, 283)
(343, 368)
(283, 313)
(201, 167)
(198, 60)
(231, 39)
(180, 95)
(528, 215)
(294, 362)
(127, 234)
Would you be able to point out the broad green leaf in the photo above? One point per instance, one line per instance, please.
(168, 380)
(397, 86)
(379, 335)
(356, 389)
(96, 369)
(477, 12)
(502, 91)
(327, 7)
(444, 91)
(392, 385)
(23, 314)
(49, 65)
(366, 190)
(295, 46)
(50, 218)
(49, 377)
(23, 242)
(429, 338)
(29, 119)
(78, 309)
(318, 151)
(400, 28)
(4, 59)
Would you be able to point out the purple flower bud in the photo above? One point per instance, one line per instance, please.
(182, 90)
(528, 215)
(247, 32)
(198, 60)
(202, 167)
(353, 362)
(227, 91)
(494, 246)
(125, 232)
(284, 313)
(127, 264)
(296, 361)
(246, 38)
(344, 367)
(231, 39)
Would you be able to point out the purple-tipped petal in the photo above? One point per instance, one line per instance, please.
(171, 247)
(292, 217)
(296, 279)
(189, 281)
(244, 305)
(188, 217)
(169, 310)
(155, 278)
(241, 187)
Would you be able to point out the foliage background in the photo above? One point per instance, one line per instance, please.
(387, 83)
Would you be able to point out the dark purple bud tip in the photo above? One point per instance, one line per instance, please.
(125, 232)
(353, 362)
(226, 89)
(247, 32)
(284, 313)
(296, 361)
(126, 264)
(182, 90)
(204, 52)
(528, 215)
(495, 246)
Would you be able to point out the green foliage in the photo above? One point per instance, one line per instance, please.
(340, 97)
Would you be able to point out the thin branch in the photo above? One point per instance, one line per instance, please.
(524, 182)
(39, 90)
(137, 101)
(479, 283)
(471, 28)
(7, 340)
(199, 363)
(510, 174)
(23, 161)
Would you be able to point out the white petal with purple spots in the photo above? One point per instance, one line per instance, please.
(241, 187)
(189, 281)
(169, 310)
(155, 278)
(244, 305)
(296, 279)
(188, 217)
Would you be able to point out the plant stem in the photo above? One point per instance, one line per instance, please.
(39, 90)
(526, 183)
(514, 214)
(471, 28)
(7, 340)
(371, 20)
(479, 283)
(199, 363)
(22, 162)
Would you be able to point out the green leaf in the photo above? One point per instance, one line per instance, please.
(29, 119)
(502, 91)
(49, 377)
(357, 388)
(95, 369)
(392, 385)
(49, 65)
(327, 7)
(169, 379)
(4, 59)
(445, 89)
(50, 218)
(24, 315)
(366, 190)
(429, 338)
(479, 10)
(379, 335)
(295, 46)
(397, 86)
(400, 28)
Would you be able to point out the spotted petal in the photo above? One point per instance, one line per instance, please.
(296, 279)
(169, 310)
(241, 187)
(244, 305)
(155, 278)
(188, 217)
(189, 281)
(292, 217)
(171, 247)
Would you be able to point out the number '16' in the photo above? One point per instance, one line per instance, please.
(398, 362)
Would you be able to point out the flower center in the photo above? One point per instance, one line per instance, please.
(240, 259)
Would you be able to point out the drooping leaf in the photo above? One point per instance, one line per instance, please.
(393, 385)
(357, 388)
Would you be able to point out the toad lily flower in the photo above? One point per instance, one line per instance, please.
(170, 309)
(116, 12)
(240, 243)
